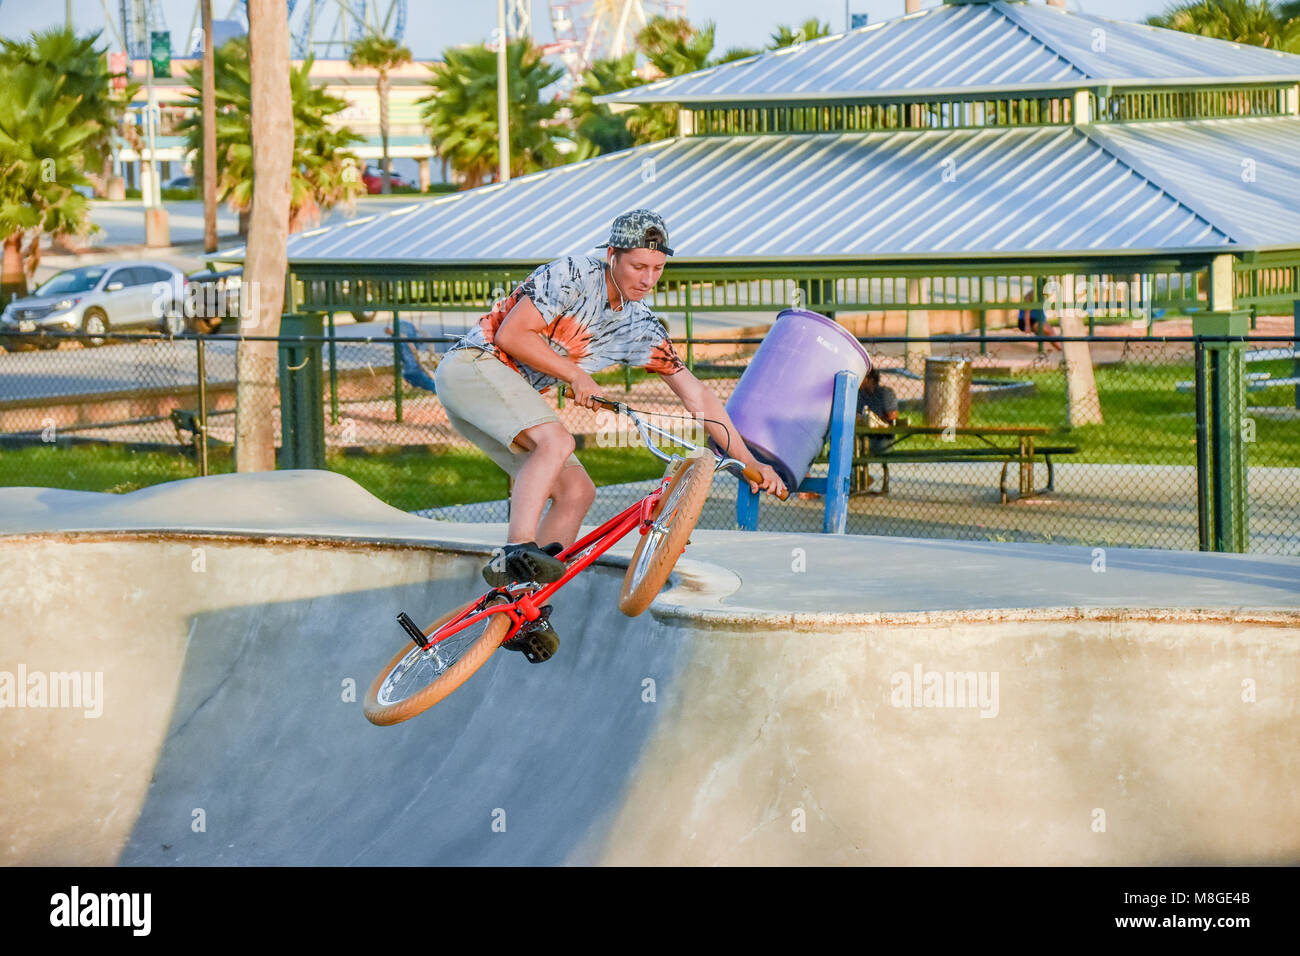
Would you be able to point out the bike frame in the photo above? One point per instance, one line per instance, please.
(523, 602)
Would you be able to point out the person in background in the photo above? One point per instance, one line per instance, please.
(878, 408)
(1034, 321)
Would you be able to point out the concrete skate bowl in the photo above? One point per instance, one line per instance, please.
(707, 731)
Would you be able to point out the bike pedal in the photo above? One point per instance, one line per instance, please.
(536, 640)
(412, 630)
(541, 648)
(537, 646)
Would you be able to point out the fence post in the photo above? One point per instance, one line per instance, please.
(201, 439)
(334, 375)
(397, 369)
(1220, 413)
(302, 412)
(1148, 306)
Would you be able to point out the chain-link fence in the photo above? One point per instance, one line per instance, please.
(1083, 442)
(113, 413)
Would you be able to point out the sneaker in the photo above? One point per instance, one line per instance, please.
(536, 640)
(523, 563)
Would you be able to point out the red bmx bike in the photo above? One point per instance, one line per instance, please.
(452, 648)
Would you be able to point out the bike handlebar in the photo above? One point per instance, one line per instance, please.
(750, 474)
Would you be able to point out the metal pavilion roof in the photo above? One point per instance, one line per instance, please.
(972, 48)
(1242, 174)
(1010, 192)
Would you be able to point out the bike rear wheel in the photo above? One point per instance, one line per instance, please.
(673, 520)
(414, 680)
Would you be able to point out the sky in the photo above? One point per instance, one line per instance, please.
(432, 25)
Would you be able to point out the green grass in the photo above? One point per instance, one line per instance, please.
(98, 467)
(1147, 421)
(409, 481)
(416, 481)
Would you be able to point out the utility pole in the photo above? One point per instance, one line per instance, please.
(147, 194)
(209, 135)
(503, 107)
(156, 231)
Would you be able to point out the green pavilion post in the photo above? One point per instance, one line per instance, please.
(302, 411)
(1220, 422)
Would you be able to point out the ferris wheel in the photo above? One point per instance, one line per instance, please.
(591, 30)
(323, 28)
(329, 28)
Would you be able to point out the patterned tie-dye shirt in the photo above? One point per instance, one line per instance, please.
(570, 294)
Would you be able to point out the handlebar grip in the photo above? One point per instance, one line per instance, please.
(608, 403)
(752, 475)
(749, 473)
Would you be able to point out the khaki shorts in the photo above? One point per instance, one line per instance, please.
(490, 403)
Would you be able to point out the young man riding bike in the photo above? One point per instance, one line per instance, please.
(568, 320)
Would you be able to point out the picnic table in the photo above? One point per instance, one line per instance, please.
(848, 452)
(994, 441)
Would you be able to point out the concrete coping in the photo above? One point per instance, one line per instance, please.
(857, 580)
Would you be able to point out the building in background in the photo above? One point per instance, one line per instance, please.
(408, 141)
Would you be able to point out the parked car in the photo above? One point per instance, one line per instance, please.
(210, 298)
(373, 177)
(139, 296)
(179, 182)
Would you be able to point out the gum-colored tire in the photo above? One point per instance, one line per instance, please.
(426, 683)
(659, 548)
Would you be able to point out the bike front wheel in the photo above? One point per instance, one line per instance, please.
(671, 525)
(415, 679)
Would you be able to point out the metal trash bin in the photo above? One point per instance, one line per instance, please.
(947, 392)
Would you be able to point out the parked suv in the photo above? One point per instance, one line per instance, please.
(96, 299)
(211, 297)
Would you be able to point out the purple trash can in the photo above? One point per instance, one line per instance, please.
(782, 404)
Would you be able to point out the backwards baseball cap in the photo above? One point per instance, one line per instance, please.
(628, 231)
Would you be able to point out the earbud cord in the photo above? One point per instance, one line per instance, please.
(622, 299)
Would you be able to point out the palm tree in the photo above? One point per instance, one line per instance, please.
(1254, 22)
(676, 47)
(736, 53)
(461, 112)
(673, 48)
(207, 164)
(810, 29)
(272, 108)
(41, 150)
(381, 54)
(596, 128)
(85, 73)
(322, 175)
